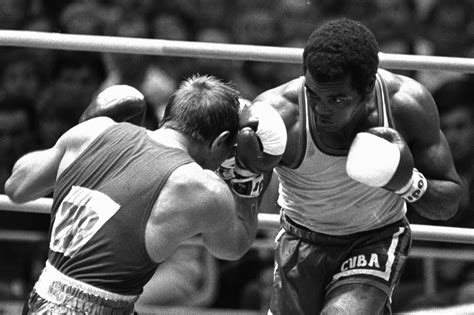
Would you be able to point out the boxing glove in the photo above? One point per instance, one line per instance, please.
(260, 150)
(242, 181)
(122, 103)
(380, 157)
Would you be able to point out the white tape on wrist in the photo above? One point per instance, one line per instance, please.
(243, 183)
(226, 169)
(415, 188)
(247, 187)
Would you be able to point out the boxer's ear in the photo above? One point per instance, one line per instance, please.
(370, 88)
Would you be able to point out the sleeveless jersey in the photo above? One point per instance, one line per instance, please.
(102, 202)
(318, 194)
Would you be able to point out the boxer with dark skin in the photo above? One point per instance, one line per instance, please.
(362, 144)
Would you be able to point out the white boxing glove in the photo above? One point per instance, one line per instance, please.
(379, 157)
(269, 131)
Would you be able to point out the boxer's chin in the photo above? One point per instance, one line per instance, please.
(327, 125)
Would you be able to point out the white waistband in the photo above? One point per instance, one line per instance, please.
(50, 276)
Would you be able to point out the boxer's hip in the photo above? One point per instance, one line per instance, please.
(56, 292)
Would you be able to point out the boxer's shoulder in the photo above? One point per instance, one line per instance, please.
(286, 93)
(406, 94)
(192, 180)
(412, 106)
(84, 133)
(77, 139)
(284, 99)
(194, 192)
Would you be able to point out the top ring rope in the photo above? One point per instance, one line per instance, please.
(211, 50)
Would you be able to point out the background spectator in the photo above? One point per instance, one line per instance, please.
(58, 110)
(18, 127)
(82, 18)
(21, 74)
(79, 72)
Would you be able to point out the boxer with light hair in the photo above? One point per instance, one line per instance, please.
(125, 198)
(360, 144)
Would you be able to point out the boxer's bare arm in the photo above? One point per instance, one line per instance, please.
(35, 173)
(197, 202)
(416, 117)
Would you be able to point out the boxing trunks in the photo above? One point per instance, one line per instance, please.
(56, 293)
(309, 265)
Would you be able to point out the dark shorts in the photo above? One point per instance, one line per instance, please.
(309, 265)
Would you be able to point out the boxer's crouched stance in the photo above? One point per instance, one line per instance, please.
(125, 197)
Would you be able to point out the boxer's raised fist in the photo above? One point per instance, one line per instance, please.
(122, 103)
(380, 157)
(249, 149)
(262, 139)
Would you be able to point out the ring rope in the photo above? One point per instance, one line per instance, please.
(263, 244)
(266, 220)
(211, 50)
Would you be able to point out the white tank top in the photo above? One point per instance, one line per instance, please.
(319, 195)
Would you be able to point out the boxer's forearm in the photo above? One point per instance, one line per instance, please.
(440, 201)
(33, 176)
(247, 213)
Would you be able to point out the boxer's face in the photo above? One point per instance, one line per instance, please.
(334, 103)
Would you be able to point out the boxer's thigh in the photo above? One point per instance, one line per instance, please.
(356, 299)
(300, 277)
(366, 279)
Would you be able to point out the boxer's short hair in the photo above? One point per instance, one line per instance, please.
(342, 47)
(202, 108)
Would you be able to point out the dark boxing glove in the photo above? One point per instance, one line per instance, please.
(262, 139)
(243, 182)
(261, 143)
(122, 103)
(380, 157)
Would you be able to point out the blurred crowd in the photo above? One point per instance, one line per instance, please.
(43, 92)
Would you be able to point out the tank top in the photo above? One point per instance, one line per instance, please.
(101, 205)
(317, 193)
